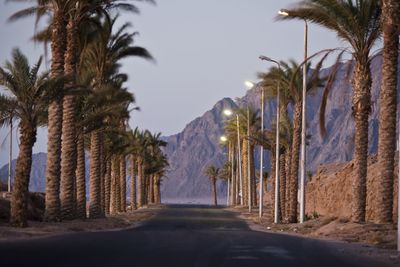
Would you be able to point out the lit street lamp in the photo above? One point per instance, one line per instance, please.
(223, 139)
(249, 85)
(276, 214)
(284, 12)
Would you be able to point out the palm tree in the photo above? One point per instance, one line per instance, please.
(388, 110)
(30, 94)
(212, 172)
(159, 170)
(79, 12)
(103, 56)
(291, 81)
(57, 9)
(358, 24)
(141, 152)
(248, 151)
(133, 140)
(65, 24)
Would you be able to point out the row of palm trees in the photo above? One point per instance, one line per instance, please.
(290, 80)
(360, 24)
(84, 103)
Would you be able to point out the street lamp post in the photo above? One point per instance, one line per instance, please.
(261, 197)
(248, 158)
(240, 160)
(276, 214)
(284, 12)
(10, 155)
(303, 129)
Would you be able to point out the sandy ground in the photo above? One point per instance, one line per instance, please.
(373, 240)
(44, 229)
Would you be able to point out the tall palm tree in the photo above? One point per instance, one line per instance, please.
(248, 151)
(141, 153)
(79, 12)
(57, 9)
(159, 170)
(291, 81)
(30, 95)
(103, 57)
(388, 110)
(212, 172)
(66, 16)
(133, 140)
(358, 24)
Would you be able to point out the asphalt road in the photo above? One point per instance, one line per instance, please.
(180, 236)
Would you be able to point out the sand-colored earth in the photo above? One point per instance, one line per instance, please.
(38, 229)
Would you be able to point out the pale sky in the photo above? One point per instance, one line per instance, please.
(204, 52)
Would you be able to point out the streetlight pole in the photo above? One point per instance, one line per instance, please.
(229, 180)
(248, 158)
(284, 12)
(10, 155)
(233, 183)
(276, 214)
(261, 197)
(303, 128)
(240, 160)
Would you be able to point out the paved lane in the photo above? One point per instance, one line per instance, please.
(179, 236)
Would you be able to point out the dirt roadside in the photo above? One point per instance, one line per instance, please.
(117, 222)
(370, 240)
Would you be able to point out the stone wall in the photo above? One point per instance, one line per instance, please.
(329, 191)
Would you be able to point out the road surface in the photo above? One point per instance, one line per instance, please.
(180, 236)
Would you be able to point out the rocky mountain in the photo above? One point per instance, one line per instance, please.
(197, 145)
(190, 151)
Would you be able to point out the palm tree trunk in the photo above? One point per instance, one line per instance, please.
(214, 189)
(387, 116)
(140, 181)
(114, 178)
(147, 189)
(159, 201)
(272, 178)
(151, 189)
(157, 189)
(294, 170)
(288, 156)
(122, 178)
(80, 178)
(19, 202)
(234, 180)
(95, 176)
(282, 186)
(107, 187)
(361, 109)
(133, 183)
(118, 184)
(53, 166)
(102, 175)
(68, 145)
